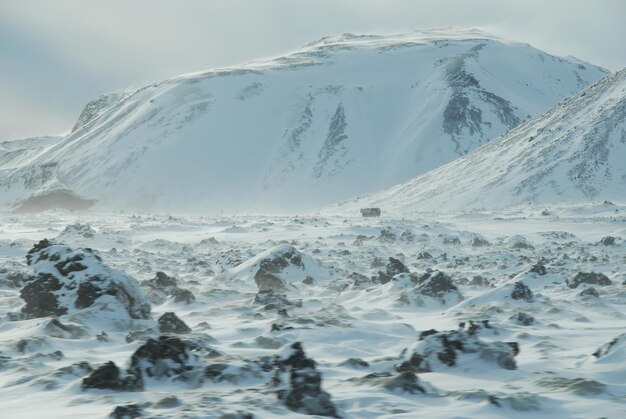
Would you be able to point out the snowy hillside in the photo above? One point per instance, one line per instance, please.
(341, 117)
(573, 153)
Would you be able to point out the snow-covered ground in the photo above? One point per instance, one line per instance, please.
(358, 314)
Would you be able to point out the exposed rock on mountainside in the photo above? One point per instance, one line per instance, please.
(571, 154)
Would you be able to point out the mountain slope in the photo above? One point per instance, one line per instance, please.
(341, 117)
(573, 153)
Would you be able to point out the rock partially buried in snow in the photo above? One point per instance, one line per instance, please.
(303, 393)
(592, 278)
(521, 292)
(436, 284)
(394, 267)
(436, 350)
(165, 358)
(67, 281)
(608, 241)
(278, 268)
(404, 381)
(110, 377)
(129, 411)
(163, 286)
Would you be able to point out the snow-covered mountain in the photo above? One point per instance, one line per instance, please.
(576, 152)
(341, 117)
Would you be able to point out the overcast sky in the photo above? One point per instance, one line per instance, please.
(57, 55)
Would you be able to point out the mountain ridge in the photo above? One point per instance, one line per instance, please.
(572, 153)
(343, 116)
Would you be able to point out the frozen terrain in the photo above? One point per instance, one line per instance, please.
(341, 117)
(517, 313)
(573, 153)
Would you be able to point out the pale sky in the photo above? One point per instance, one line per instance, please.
(57, 55)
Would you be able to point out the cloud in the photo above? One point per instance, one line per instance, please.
(63, 53)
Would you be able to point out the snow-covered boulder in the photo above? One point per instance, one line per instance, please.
(277, 268)
(167, 357)
(436, 350)
(67, 281)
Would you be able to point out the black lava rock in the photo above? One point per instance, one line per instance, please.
(170, 323)
(608, 241)
(521, 292)
(539, 269)
(435, 284)
(445, 348)
(130, 411)
(592, 278)
(65, 280)
(523, 319)
(167, 357)
(109, 377)
(395, 267)
(479, 242)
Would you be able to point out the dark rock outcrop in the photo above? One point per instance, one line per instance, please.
(170, 323)
(539, 269)
(303, 392)
(521, 292)
(591, 278)
(268, 276)
(479, 242)
(129, 411)
(167, 357)
(608, 241)
(110, 377)
(394, 267)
